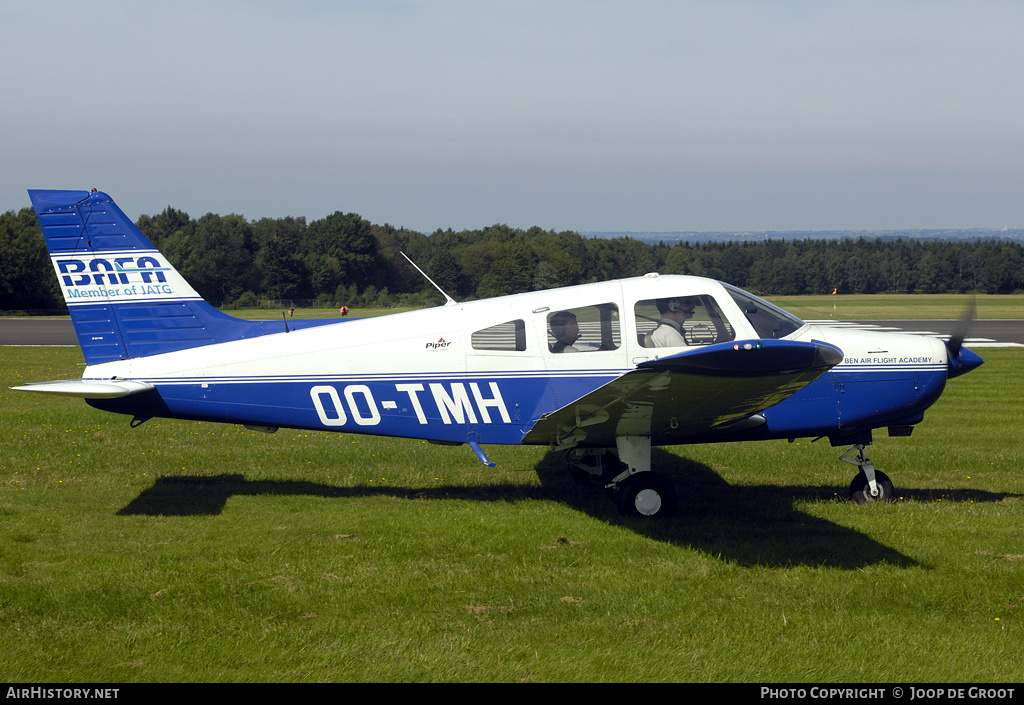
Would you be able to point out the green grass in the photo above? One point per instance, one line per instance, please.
(845, 307)
(183, 551)
(887, 307)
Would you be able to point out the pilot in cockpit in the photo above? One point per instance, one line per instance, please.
(674, 313)
(566, 331)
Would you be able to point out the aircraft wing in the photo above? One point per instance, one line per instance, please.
(692, 393)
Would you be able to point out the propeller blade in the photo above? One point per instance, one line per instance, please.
(961, 360)
(956, 340)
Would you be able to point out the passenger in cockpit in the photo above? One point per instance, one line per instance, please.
(566, 331)
(674, 313)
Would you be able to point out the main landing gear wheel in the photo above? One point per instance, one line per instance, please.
(859, 491)
(646, 494)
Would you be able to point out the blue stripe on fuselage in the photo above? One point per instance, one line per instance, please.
(496, 408)
(501, 407)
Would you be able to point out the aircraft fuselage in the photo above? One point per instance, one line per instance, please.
(423, 374)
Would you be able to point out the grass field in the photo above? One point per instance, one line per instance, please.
(182, 551)
(844, 307)
(889, 307)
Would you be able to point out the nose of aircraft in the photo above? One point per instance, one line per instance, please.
(962, 361)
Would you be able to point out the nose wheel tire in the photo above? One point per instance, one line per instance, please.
(859, 491)
(648, 495)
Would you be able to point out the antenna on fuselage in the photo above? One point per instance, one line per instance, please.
(449, 301)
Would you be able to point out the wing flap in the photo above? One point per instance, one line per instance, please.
(680, 396)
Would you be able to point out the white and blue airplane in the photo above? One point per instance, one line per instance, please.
(604, 371)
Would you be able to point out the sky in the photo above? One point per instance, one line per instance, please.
(583, 115)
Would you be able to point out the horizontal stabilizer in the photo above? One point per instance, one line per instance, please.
(87, 388)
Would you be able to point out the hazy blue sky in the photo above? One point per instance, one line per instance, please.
(562, 113)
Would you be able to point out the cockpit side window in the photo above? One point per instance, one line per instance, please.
(509, 336)
(681, 321)
(584, 329)
(769, 321)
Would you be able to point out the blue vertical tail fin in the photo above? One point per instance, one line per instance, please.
(125, 298)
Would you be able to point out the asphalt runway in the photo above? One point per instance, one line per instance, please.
(983, 333)
(37, 331)
(988, 333)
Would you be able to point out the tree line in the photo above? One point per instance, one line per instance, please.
(344, 259)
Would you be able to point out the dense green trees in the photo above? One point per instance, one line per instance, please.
(27, 281)
(343, 258)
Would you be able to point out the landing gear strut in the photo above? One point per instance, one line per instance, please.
(869, 485)
(626, 475)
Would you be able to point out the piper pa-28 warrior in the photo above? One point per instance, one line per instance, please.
(603, 371)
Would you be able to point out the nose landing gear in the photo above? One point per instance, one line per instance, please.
(869, 485)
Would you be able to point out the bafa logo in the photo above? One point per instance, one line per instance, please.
(98, 271)
(441, 344)
(119, 277)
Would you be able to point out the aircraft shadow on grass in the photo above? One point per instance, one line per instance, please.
(747, 525)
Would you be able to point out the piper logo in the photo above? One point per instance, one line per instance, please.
(439, 345)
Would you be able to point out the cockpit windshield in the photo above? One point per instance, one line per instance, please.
(768, 320)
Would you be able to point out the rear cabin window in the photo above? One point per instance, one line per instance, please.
(584, 329)
(509, 336)
(681, 321)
